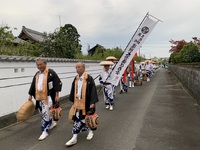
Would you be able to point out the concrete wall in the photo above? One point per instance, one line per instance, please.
(189, 76)
(16, 77)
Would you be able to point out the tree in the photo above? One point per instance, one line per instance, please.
(6, 37)
(175, 58)
(7, 46)
(64, 42)
(139, 59)
(177, 45)
(116, 52)
(102, 53)
(190, 53)
(186, 53)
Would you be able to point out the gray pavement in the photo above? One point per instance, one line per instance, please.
(172, 121)
(159, 115)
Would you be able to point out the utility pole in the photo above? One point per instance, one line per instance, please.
(60, 20)
(88, 47)
(139, 51)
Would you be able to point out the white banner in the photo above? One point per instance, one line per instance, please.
(139, 37)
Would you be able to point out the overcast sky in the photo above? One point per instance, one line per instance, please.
(110, 23)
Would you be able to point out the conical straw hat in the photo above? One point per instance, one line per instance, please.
(26, 111)
(111, 58)
(142, 63)
(104, 63)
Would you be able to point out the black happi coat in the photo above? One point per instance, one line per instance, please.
(91, 95)
(57, 85)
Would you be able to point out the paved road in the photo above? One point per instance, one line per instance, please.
(159, 115)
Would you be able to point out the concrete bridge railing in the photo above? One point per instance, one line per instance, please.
(189, 76)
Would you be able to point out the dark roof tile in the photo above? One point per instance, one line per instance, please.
(34, 35)
(4, 58)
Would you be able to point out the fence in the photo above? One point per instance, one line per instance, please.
(189, 76)
(16, 74)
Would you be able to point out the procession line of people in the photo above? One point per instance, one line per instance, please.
(46, 85)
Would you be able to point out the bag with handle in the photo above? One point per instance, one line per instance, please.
(92, 121)
(56, 111)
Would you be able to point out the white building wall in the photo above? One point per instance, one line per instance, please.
(16, 77)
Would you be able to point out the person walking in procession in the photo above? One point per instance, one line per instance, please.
(148, 70)
(114, 60)
(108, 89)
(122, 82)
(84, 96)
(45, 88)
(130, 78)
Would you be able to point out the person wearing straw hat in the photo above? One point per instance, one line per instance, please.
(84, 96)
(45, 88)
(151, 67)
(113, 59)
(152, 64)
(142, 70)
(130, 71)
(108, 89)
(148, 70)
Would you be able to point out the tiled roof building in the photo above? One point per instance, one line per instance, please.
(32, 35)
(92, 50)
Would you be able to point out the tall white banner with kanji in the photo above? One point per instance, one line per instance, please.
(136, 41)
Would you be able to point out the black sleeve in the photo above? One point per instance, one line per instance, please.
(71, 96)
(93, 90)
(57, 84)
(32, 87)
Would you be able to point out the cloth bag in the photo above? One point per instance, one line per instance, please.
(92, 121)
(56, 111)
